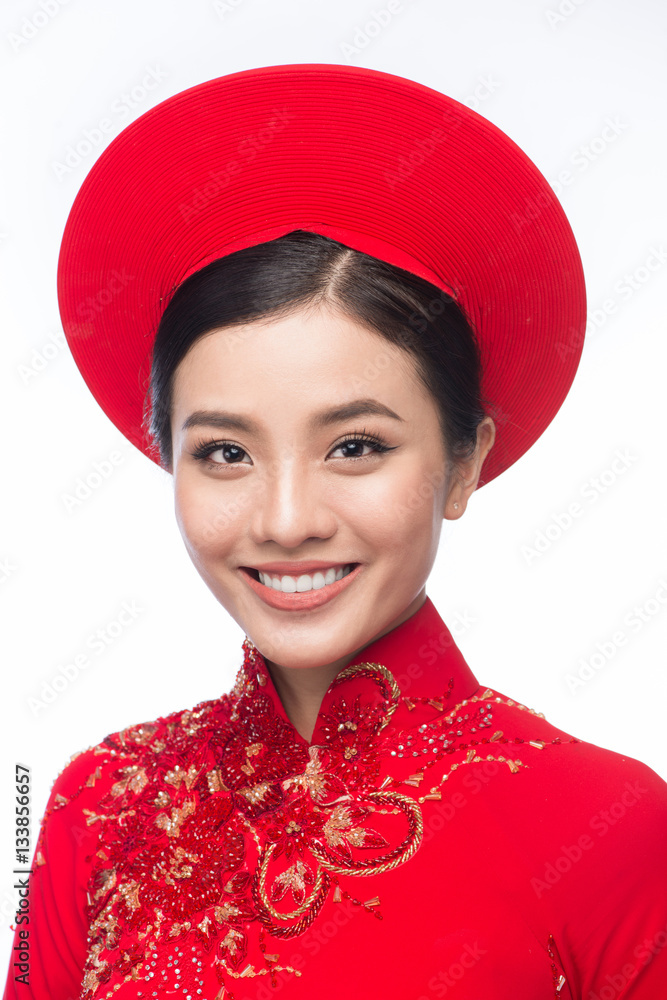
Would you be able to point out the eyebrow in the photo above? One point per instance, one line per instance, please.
(234, 422)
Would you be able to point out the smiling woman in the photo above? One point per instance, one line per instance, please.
(311, 466)
(329, 365)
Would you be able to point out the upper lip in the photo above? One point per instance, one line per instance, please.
(298, 568)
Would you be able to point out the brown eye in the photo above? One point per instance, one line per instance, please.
(354, 444)
(220, 453)
(231, 453)
(354, 448)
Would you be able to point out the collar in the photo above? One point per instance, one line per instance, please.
(414, 673)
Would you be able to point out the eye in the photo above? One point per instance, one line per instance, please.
(220, 453)
(354, 444)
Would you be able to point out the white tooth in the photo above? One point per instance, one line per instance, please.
(305, 582)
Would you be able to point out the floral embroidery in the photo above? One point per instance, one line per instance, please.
(220, 826)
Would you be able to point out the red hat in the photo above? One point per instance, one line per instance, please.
(378, 162)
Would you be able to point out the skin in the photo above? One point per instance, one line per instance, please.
(294, 492)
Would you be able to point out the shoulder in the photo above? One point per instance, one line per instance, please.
(90, 773)
(570, 767)
(581, 763)
(569, 798)
(586, 829)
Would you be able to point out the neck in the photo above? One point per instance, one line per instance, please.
(302, 690)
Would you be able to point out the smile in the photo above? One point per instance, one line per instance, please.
(302, 591)
(305, 582)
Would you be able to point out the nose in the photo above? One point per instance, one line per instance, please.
(292, 506)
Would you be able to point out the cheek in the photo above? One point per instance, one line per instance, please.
(401, 513)
(207, 516)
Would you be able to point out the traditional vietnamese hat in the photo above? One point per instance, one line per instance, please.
(378, 162)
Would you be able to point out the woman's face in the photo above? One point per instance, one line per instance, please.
(302, 447)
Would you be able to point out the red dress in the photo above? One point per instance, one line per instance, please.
(436, 839)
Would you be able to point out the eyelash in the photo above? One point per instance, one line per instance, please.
(205, 448)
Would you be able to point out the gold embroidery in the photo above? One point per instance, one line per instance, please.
(304, 810)
(134, 779)
(376, 866)
(392, 690)
(179, 775)
(172, 824)
(319, 890)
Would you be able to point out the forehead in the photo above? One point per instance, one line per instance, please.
(309, 352)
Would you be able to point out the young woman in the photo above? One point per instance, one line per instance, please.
(333, 303)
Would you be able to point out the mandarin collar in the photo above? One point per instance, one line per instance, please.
(417, 668)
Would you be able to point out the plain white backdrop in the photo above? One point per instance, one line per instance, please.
(580, 86)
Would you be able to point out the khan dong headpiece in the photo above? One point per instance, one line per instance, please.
(380, 163)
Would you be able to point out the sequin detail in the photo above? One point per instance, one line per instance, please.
(221, 835)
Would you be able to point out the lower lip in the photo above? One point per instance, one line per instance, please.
(300, 601)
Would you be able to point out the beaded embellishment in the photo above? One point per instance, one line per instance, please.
(219, 825)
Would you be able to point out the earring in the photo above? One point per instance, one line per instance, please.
(456, 506)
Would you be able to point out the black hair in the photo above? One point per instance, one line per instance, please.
(301, 268)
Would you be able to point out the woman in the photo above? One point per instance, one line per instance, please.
(333, 303)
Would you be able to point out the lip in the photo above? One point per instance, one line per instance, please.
(299, 601)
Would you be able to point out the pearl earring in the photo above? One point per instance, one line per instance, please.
(456, 506)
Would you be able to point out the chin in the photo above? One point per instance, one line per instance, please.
(316, 637)
(300, 645)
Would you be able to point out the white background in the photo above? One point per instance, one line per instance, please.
(550, 80)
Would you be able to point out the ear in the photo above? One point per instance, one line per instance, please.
(466, 473)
